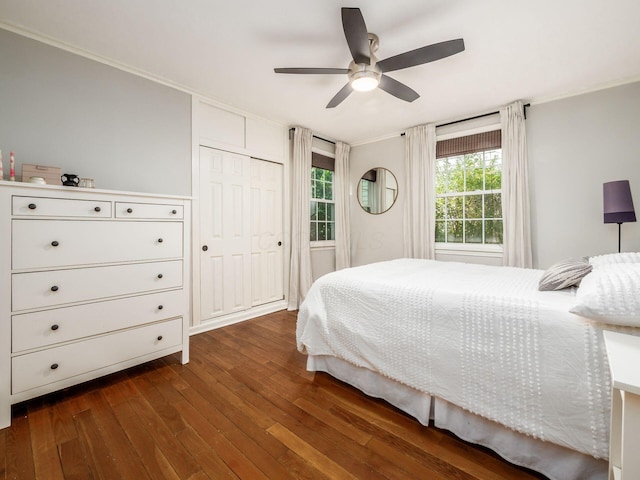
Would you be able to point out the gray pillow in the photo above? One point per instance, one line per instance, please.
(565, 274)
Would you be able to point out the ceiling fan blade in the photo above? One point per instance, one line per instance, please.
(398, 89)
(340, 96)
(330, 71)
(355, 31)
(422, 55)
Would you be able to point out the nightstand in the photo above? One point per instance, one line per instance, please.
(623, 352)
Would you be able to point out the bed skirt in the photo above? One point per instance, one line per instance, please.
(554, 461)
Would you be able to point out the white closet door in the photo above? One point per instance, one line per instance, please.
(225, 221)
(267, 266)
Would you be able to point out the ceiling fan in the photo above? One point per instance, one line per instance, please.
(366, 72)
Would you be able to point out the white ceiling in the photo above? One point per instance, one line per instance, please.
(227, 49)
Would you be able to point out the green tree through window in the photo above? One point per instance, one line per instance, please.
(468, 198)
(322, 205)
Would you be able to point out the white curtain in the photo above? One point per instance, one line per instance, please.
(515, 188)
(300, 277)
(419, 208)
(341, 199)
(381, 189)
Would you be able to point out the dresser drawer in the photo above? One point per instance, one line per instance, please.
(59, 207)
(57, 243)
(147, 210)
(41, 368)
(57, 287)
(41, 329)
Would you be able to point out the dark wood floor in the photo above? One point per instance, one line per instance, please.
(244, 407)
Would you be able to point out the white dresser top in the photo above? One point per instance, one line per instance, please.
(623, 352)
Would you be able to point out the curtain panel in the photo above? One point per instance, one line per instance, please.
(515, 188)
(300, 276)
(341, 199)
(419, 210)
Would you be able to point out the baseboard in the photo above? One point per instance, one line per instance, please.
(238, 317)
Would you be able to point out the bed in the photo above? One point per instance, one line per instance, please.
(477, 349)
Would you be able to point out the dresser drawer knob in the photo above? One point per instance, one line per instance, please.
(160, 240)
(159, 275)
(54, 327)
(32, 206)
(54, 288)
(160, 307)
(54, 243)
(97, 209)
(173, 212)
(159, 337)
(129, 210)
(54, 366)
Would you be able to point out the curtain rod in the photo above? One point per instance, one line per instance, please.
(525, 106)
(314, 136)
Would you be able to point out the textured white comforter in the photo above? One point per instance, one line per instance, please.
(481, 337)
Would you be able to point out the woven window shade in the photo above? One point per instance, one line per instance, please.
(322, 161)
(469, 144)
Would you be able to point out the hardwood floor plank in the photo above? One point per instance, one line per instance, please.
(19, 455)
(43, 443)
(100, 461)
(73, 460)
(3, 453)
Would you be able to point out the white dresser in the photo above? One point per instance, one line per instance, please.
(91, 282)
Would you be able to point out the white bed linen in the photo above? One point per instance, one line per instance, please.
(480, 337)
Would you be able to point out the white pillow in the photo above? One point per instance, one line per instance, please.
(614, 258)
(611, 294)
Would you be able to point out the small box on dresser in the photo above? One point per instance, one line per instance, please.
(91, 282)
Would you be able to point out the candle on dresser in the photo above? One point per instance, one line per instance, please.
(1, 172)
(12, 167)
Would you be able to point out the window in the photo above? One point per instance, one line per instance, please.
(468, 190)
(322, 205)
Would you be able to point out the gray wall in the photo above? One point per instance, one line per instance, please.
(575, 145)
(63, 110)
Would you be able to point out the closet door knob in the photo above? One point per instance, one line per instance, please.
(32, 206)
(54, 243)
(159, 337)
(129, 210)
(279, 244)
(54, 288)
(54, 327)
(205, 248)
(54, 366)
(173, 212)
(97, 209)
(159, 275)
(160, 240)
(160, 307)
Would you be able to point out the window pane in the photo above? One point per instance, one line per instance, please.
(328, 191)
(492, 205)
(313, 231)
(440, 226)
(456, 174)
(493, 231)
(317, 173)
(473, 231)
(493, 170)
(442, 176)
(473, 172)
(330, 211)
(330, 231)
(314, 210)
(473, 206)
(454, 208)
(454, 231)
(440, 208)
(322, 211)
(322, 231)
(328, 176)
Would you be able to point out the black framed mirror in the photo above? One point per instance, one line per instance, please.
(377, 190)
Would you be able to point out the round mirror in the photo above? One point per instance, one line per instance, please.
(377, 190)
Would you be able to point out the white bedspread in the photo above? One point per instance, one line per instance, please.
(481, 337)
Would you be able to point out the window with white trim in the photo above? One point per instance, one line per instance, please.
(468, 190)
(322, 211)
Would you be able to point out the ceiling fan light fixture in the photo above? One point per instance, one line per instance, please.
(364, 78)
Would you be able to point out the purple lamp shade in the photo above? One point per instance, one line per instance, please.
(618, 204)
